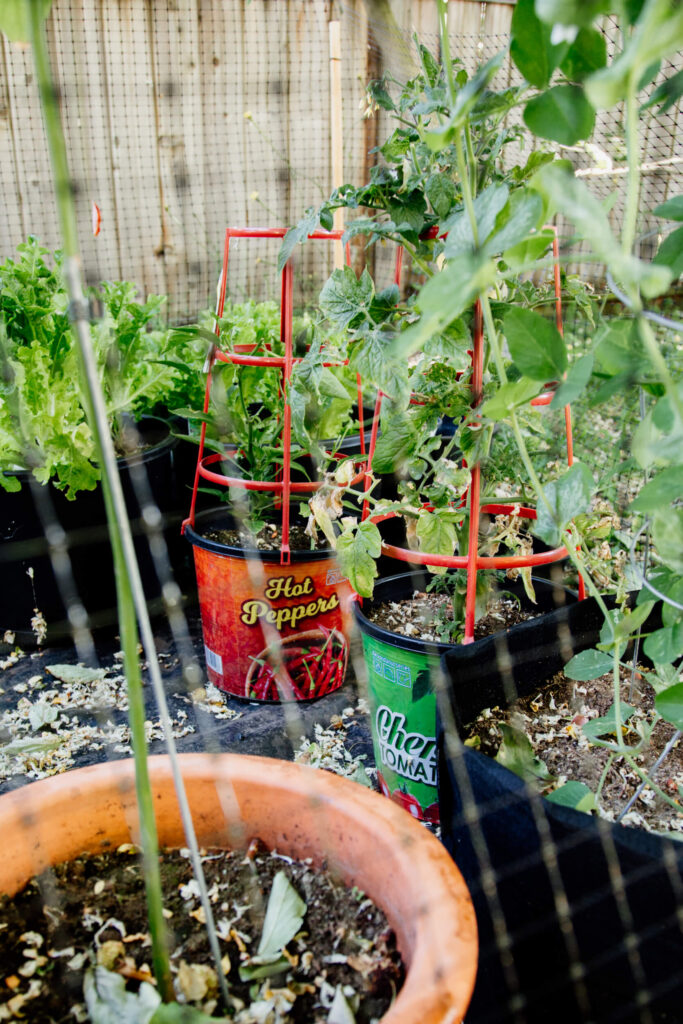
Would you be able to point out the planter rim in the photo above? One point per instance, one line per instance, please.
(232, 551)
(366, 839)
(433, 647)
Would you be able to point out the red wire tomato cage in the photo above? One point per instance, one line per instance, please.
(473, 562)
(283, 488)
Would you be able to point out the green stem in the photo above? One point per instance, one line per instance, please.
(471, 162)
(633, 155)
(463, 173)
(446, 48)
(659, 362)
(603, 777)
(129, 635)
(642, 774)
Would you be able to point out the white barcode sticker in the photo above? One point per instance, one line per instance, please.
(213, 660)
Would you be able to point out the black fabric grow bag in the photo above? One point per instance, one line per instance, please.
(23, 545)
(519, 835)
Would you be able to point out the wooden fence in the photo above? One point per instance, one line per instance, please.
(184, 116)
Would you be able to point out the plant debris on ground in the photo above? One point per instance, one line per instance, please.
(91, 912)
(553, 718)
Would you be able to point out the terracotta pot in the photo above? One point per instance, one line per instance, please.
(302, 812)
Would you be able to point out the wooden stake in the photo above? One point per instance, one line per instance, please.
(337, 152)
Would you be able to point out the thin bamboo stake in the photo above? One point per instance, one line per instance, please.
(336, 136)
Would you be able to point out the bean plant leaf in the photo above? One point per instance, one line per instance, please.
(658, 32)
(586, 54)
(530, 47)
(536, 345)
(109, 1002)
(487, 206)
(670, 252)
(284, 916)
(669, 704)
(510, 396)
(357, 550)
(571, 12)
(588, 665)
(562, 114)
(665, 645)
(606, 725)
(666, 487)
(517, 754)
(666, 94)
(572, 198)
(516, 220)
(667, 535)
(574, 794)
(575, 382)
(14, 18)
(568, 496)
(523, 255)
(672, 209)
(443, 299)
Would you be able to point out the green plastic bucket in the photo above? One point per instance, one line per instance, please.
(402, 704)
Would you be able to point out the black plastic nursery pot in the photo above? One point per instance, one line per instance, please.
(29, 581)
(271, 631)
(622, 886)
(401, 674)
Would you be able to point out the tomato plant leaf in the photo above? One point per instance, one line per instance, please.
(517, 754)
(299, 233)
(436, 535)
(509, 396)
(440, 191)
(357, 549)
(666, 94)
(562, 114)
(345, 297)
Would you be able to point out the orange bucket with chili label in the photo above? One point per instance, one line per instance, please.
(272, 632)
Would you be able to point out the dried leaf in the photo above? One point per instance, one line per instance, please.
(284, 916)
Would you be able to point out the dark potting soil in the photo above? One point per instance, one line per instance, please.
(269, 538)
(429, 617)
(552, 721)
(91, 911)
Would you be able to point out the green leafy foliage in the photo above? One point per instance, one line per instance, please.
(607, 725)
(530, 48)
(562, 114)
(574, 794)
(517, 754)
(571, 12)
(357, 551)
(14, 18)
(566, 497)
(588, 53)
(669, 704)
(536, 345)
(588, 665)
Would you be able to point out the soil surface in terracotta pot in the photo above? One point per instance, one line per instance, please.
(91, 911)
(552, 720)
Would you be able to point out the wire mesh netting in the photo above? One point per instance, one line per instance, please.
(184, 117)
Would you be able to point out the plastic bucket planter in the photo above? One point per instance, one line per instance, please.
(401, 671)
(271, 631)
(402, 703)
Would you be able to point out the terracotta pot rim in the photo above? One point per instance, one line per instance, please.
(363, 836)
